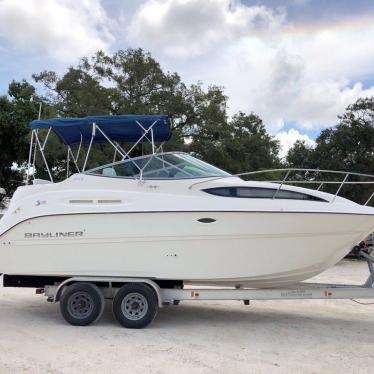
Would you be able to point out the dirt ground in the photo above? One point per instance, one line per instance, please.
(317, 336)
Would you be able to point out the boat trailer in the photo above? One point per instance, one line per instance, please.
(136, 300)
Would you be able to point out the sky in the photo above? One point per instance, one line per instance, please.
(296, 63)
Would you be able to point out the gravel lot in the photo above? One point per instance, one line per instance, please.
(315, 336)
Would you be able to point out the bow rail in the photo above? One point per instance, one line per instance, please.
(309, 178)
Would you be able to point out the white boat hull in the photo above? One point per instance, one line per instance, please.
(254, 249)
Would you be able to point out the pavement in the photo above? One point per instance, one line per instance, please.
(303, 336)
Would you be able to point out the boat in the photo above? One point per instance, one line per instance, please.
(167, 216)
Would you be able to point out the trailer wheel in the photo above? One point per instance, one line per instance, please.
(135, 305)
(81, 304)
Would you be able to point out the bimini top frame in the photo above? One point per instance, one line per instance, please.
(98, 129)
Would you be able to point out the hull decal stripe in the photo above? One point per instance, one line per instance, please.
(182, 211)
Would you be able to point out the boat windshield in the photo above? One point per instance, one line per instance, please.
(160, 166)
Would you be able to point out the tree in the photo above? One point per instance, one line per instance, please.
(300, 155)
(240, 145)
(349, 146)
(129, 82)
(17, 109)
(250, 146)
(133, 82)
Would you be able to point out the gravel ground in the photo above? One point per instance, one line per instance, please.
(316, 336)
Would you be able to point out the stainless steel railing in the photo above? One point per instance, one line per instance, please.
(309, 178)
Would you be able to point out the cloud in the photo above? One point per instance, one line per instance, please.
(62, 29)
(288, 138)
(189, 28)
(305, 73)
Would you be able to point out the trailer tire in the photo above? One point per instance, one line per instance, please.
(81, 304)
(135, 305)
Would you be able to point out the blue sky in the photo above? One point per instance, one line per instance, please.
(297, 63)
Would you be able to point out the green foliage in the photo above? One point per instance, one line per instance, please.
(129, 82)
(239, 145)
(250, 145)
(132, 82)
(300, 155)
(16, 111)
(349, 146)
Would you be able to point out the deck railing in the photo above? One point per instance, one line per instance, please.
(309, 176)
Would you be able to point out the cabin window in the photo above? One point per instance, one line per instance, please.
(260, 193)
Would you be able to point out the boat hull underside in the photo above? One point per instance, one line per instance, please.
(249, 248)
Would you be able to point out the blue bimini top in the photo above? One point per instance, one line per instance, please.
(127, 128)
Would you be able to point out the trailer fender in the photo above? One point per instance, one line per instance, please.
(153, 285)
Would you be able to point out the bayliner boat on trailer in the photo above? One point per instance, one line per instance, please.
(167, 216)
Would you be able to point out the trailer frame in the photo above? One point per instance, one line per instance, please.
(167, 296)
(110, 286)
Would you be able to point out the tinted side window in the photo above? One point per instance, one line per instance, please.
(260, 193)
(254, 192)
(282, 194)
(222, 191)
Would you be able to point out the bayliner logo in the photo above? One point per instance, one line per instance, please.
(52, 235)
